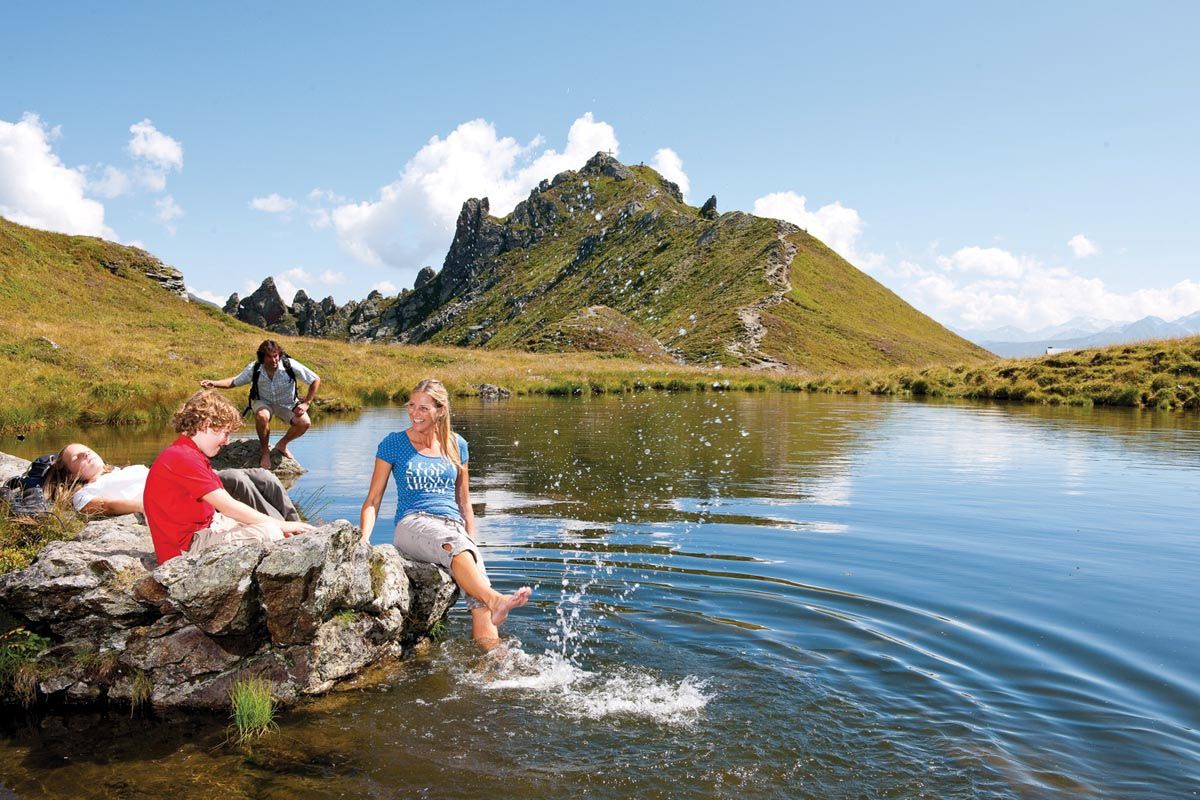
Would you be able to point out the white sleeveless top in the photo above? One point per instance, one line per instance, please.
(123, 483)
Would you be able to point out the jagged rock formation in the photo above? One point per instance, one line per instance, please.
(306, 613)
(264, 308)
(610, 258)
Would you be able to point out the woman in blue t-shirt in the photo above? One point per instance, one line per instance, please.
(434, 520)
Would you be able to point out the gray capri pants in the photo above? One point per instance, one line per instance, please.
(420, 536)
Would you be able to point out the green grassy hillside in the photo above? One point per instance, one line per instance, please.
(734, 289)
(87, 338)
(1162, 375)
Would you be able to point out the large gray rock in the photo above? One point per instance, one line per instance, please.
(11, 466)
(432, 592)
(244, 454)
(304, 580)
(305, 613)
(214, 590)
(82, 588)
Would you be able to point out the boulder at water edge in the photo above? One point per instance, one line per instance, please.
(305, 613)
(244, 454)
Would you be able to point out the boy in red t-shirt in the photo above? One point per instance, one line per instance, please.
(187, 508)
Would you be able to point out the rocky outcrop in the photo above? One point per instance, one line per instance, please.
(139, 260)
(424, 276)
(243, 454)
(709, 209)
(265, 309)
(306, 613)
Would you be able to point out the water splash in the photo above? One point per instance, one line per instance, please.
(561, 679)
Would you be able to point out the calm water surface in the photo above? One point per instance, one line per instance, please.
(752, 596)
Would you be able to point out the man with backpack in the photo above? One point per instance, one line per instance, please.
(274, 392)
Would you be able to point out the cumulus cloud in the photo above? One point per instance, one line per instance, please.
(37, 189)
(982, 288)
(1082, 246)
(204, 294)
(113, 183)
(384, 287)
(666, 162)
(412, 221)
(991, 261)
(273, 204)
(834, 224)
(155, 154)
(155, 147)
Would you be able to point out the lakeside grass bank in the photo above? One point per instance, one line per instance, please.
(141, 386)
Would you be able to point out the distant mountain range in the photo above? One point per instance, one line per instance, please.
(611, 259)
(1080, 332)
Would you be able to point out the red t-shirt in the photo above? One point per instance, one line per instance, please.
(175, 509)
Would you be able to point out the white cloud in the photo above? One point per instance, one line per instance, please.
(168, 211)
(207, 295)
(668, 164)
(982, 288)
(115, 183)
(1082, 246)
(37, 189)
(834, 224)
(273, 204)
(990, 261)
(293, 280)
(384, 287)
(150, 144)
(412, 221)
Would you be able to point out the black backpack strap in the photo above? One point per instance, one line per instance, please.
(253, 388)
(287, 365)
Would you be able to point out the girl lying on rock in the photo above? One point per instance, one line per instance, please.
(99, 489)
(434, 521)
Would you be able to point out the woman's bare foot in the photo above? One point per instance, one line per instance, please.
(507, 603)
(283, 451)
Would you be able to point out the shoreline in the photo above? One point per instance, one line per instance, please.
(1160, 375)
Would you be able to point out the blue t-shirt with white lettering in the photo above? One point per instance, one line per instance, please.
(423, 483)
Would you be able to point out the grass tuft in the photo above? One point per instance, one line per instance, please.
(253, 707)
(19, 650)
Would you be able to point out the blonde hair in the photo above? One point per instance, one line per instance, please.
(441, 426)
(206, 409)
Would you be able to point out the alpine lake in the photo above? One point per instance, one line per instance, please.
(740, 595)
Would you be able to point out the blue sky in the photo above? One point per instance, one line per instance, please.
(993, 164)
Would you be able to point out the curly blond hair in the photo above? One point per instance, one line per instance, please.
(206, 409)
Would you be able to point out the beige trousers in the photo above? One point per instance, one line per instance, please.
(225, 530)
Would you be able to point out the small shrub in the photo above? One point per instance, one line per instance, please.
(439, 630)
(253, 707)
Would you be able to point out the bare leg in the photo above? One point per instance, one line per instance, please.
(299, 425)
(483, 630)
(470, 579)
(262, 424)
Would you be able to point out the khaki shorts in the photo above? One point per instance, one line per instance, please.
(226, 530)
(437, 540)
(277, 411)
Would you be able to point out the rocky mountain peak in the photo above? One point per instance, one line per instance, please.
(604, 164)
